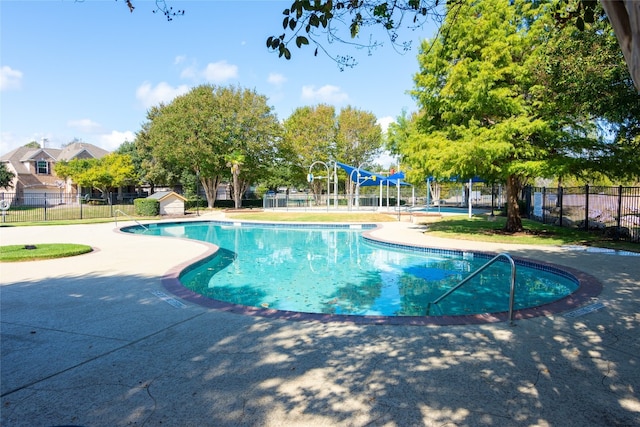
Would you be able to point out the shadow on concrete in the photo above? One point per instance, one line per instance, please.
(111, 351)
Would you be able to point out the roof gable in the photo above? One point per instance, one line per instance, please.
(81, 150)
(41, 154)
(162, 195)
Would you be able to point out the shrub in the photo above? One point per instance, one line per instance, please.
(230, 204)
(147, 207)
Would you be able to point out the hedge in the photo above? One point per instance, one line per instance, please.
(147, 207)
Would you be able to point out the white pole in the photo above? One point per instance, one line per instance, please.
(388, 207)
(398, 199)
(470, 197)
(335, 185)
(328, 186)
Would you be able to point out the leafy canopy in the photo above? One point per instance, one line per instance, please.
(6, 176)
(112, 170)
(196, 132)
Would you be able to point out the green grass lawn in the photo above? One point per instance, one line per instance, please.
(41, 251)
(83, 212)
(482, 228)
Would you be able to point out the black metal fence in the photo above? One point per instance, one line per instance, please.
(614, 211)
(34, 207)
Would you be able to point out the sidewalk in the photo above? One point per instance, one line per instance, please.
(96, 340)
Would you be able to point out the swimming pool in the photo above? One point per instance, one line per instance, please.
(450, 210)
(337, 270)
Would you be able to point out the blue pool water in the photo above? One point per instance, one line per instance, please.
(450, 210)
(335, 270)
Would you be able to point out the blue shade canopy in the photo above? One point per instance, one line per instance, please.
(366, 178)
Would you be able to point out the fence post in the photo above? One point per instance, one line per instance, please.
(544, 203)
(560, 203)
(619, 221)
(45, 206)
(586, 207)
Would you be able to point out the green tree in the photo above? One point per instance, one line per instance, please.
(33, 144)
(153, 170)
(112, 170)
(235, 161)
(129, 148)
(359, 137)
(584, 86)
(6, 177)
(508, 96)
(196, 132)
(358, 140)
(317, 134)
(310, 133)
(398, 132)
(478, 116)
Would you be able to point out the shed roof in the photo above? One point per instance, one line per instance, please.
(161, 195)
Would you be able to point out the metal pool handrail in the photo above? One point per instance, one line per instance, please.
(132, 218)
(512, 291)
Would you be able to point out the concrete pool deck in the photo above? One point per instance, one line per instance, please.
(96, 340)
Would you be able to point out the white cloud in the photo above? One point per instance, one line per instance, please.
(163, 92)
(8, 142)
(215, 72)
(84, 125)
(10, 79)
(327, 93)
(113, 140)
(179, 59)
(384, 122)
(189, 73)
(385, 159)
(219, 72)
(276, 79)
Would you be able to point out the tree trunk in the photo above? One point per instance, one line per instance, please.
(210, 186)
(316, 188)
(237, 190)
(514, 221)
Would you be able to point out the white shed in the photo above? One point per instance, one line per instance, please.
(171, 203)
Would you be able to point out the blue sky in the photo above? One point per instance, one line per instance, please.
(90, 69)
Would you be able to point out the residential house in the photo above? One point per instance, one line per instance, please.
(35, 175)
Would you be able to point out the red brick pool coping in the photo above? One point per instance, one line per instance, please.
(589, 287)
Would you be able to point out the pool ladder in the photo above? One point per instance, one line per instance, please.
(512, 291)
(132, 219)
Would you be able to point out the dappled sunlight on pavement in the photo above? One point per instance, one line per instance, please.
(92, 341)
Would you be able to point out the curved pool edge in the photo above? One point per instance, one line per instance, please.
(589, 287)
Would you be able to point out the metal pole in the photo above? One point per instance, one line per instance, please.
(335, 185)
(619, 221)
(428, 191)
(586, 207)
(398, 196)
(470, 197)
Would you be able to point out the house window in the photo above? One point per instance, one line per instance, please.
(42, 167)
